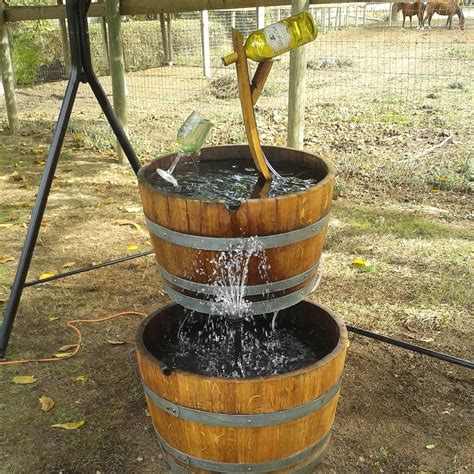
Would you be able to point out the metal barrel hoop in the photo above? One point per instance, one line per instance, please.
(241, 421)
(229, 244)
(216, 466)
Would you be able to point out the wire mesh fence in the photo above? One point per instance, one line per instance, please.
(360, 55)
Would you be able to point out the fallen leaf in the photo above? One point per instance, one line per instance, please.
(430, 446)
(147, 412)
(131, 209)
(26, 204)
(69, 264)
(78, 136)
(81, 378)
(38, 151)
(63, 355)
(359, 262)
(115, 342)
(40, 162)
(43, 276)
(6, 259)
(15, 176)
(73, 425)
(126, 222)
(109, 200)
(46, 403)
(132, 247)
(5, 226)
(67, 347)
(53, 318)
(24, 379)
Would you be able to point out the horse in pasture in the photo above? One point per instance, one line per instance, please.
(445, 8)
(410, 9)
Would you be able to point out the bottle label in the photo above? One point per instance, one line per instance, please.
(277, 37)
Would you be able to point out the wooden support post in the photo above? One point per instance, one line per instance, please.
(232, 19)
(206, 53)
(246, 102)
(393, 13)
(65, 43)
(117, 69)
(6, 69)
(164, 39)
(296, 93)
(260, 18)
(105, 44)
(170, 39)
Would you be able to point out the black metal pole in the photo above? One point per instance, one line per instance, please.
(412, 347)
(88, 268)
(38, 211)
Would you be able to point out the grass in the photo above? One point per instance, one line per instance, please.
(363, 220)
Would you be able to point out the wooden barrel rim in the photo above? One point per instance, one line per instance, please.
(340, 347)
(330, 173)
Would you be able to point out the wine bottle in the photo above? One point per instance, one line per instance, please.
(278, 38)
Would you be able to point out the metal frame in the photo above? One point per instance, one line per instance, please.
(81, 71)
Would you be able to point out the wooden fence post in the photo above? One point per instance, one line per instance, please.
(105, 44)
(260, 18)
(296, 92)
(357, 16)
(206, 53)
(65, 43)
(164, 39)
(170, 40)
(6, 69)
(393, 13)
(117, 68)
(363, 18)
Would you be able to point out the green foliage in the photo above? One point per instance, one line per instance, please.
(26, 58)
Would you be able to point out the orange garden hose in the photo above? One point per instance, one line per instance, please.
(71, 324)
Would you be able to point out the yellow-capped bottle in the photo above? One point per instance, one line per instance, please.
(278, 38)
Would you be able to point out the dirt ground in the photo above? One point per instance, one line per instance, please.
(402, 204)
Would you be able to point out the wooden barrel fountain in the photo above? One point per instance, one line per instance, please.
(188, 234)
(277, 423)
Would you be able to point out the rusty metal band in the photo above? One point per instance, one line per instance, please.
(216, 466)
(240, 421)
(230, 244)
(256, 307)
(212, 290)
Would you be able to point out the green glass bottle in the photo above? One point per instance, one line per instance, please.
(278, 38)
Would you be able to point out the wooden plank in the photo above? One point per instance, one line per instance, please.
(296, 91)
(8, 78)
(143, 7)
(259, 79)
(245, 94)
(117, 67)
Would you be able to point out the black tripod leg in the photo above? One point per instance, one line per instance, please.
(99, 91)
(38, 211)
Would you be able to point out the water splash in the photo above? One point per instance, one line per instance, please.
(229, 275)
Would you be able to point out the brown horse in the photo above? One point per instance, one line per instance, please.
(446, 8)
(411, 9)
